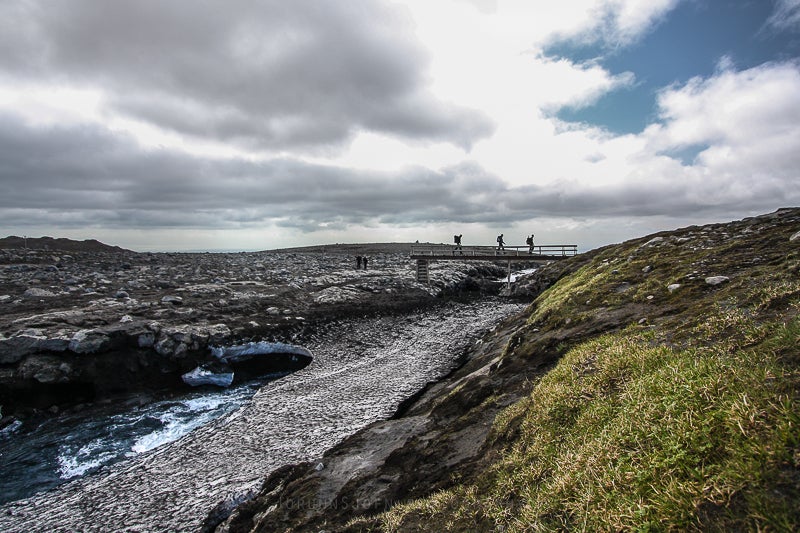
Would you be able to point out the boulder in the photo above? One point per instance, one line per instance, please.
(217, 333)
(46, 369)
(166, 346)
(146, 339)
(90, 341)
(14, 349)
(717, 280)
(35, 292)
(176, 341)
(204, 376)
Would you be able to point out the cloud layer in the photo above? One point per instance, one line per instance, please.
(193, 114)
(271, 74)
(750, 151)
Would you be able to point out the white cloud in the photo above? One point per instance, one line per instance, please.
(632, 18)
(746, 119)
(786, 15)
(492, 61)
(609, 22)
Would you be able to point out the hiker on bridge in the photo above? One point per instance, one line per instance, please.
(500, 242)
(529, 242)
(457, 240)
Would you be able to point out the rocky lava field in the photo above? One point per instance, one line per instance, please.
(93, 321)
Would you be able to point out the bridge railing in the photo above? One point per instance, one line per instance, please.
(552, 250)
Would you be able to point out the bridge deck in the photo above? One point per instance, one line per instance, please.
(449, 252)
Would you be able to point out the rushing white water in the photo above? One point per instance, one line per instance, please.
(183, 417)
(61, 448)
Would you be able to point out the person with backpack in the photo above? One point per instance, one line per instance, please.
(529, 242)
(457, 240)
(500, 243)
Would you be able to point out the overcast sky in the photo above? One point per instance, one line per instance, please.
(248, 125)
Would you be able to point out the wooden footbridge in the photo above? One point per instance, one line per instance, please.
(425, 253)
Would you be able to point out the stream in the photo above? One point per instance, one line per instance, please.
(40, 455)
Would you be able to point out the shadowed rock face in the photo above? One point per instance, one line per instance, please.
(111, 321)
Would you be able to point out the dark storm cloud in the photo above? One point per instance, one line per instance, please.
(89, 176)
(268, 74)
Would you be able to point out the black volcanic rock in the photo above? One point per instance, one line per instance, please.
(172, 307)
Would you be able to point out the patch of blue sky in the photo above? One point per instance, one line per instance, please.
(687, 155)
(695, 39)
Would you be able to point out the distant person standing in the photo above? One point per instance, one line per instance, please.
(364, 260)
(457, 240)
(529, 242)
(501, 245)
(358, 262)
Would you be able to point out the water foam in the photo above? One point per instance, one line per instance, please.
(88, 457)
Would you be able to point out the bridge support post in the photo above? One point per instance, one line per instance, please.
(422, 271)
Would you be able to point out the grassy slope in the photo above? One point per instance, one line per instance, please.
(684, 418)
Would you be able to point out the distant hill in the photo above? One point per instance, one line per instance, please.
(361, 248)
(66, 245)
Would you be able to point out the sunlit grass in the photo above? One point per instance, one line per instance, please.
(629, 434)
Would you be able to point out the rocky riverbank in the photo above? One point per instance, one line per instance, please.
(79, 326)
(363, 369)
(90, 322)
